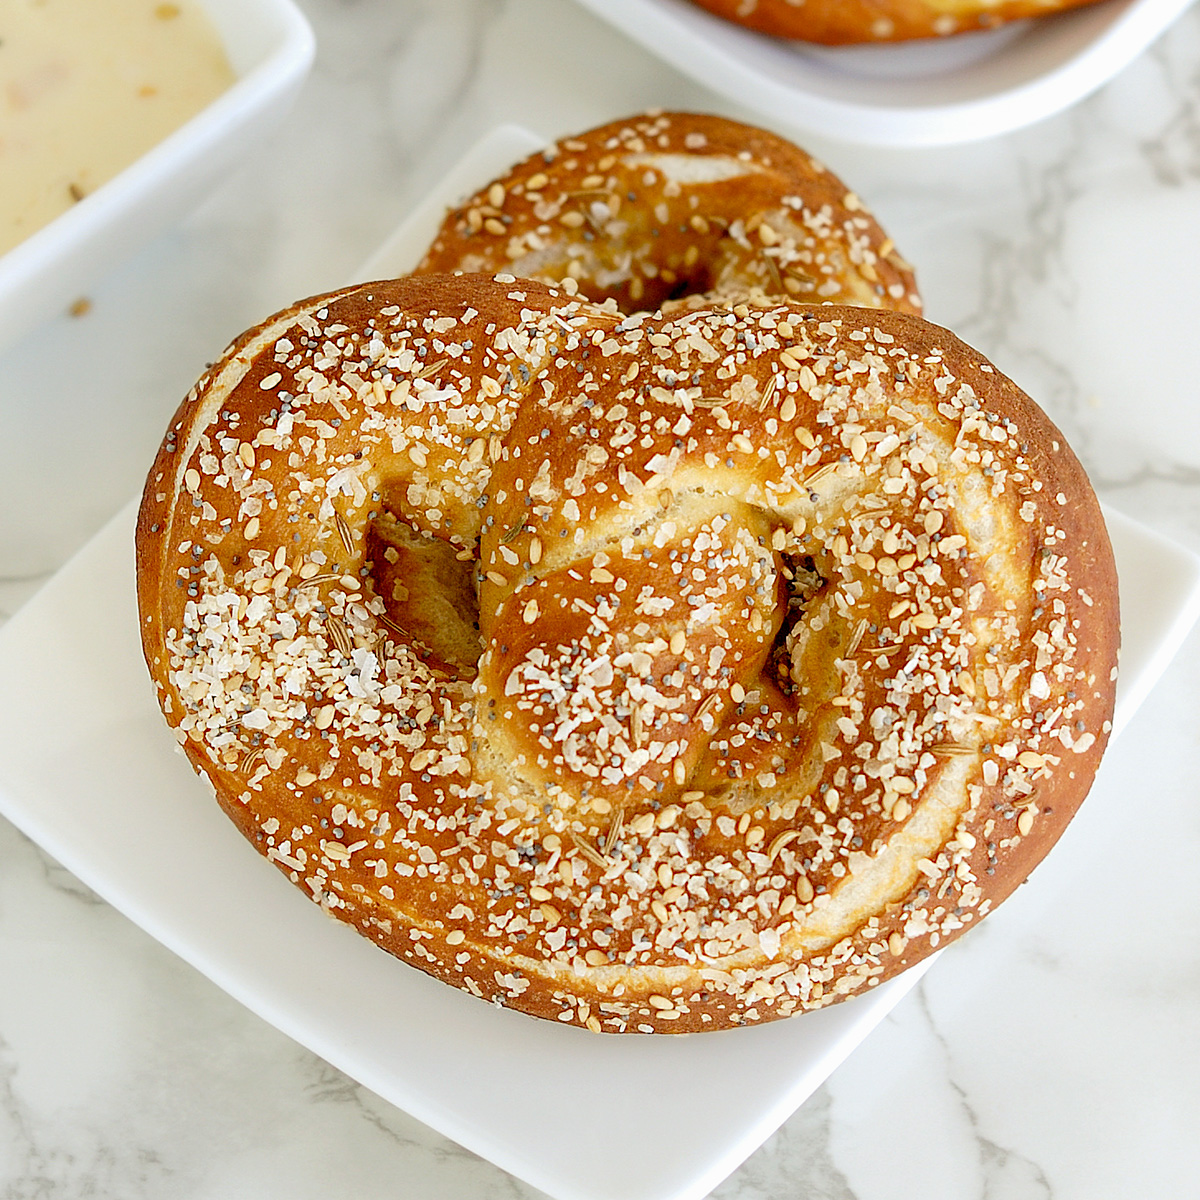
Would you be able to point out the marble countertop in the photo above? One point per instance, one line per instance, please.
(1054, 1053)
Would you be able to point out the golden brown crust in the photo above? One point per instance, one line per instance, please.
(841, 22)
(677, 208)
(797, 635)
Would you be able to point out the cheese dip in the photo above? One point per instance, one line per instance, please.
(87, 87)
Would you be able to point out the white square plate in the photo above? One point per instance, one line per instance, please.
(89, 771)
(927, 93)
(270, 48)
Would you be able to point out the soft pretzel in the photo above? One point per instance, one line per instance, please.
(677, 208)
(838, 22)
(645, 674)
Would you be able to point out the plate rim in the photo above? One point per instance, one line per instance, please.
(703, 57)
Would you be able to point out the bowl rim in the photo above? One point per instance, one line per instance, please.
(721, 55)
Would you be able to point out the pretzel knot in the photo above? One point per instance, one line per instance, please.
(640, 672)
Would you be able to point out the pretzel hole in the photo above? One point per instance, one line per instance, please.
(664, 278)
(696, 282)
(430, 594)
(805, 583)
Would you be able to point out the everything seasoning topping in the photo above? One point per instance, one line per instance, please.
(642, 673)
(678, 210)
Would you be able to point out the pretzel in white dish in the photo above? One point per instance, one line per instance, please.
(640, 673)
(842, 22)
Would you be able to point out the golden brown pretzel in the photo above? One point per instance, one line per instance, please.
(638, 673)
(839, 22)
(670, 207)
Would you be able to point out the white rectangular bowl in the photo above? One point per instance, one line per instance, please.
(927, 93)
(270, 47)
(89, 770)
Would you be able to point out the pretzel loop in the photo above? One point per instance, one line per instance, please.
(640, 672)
